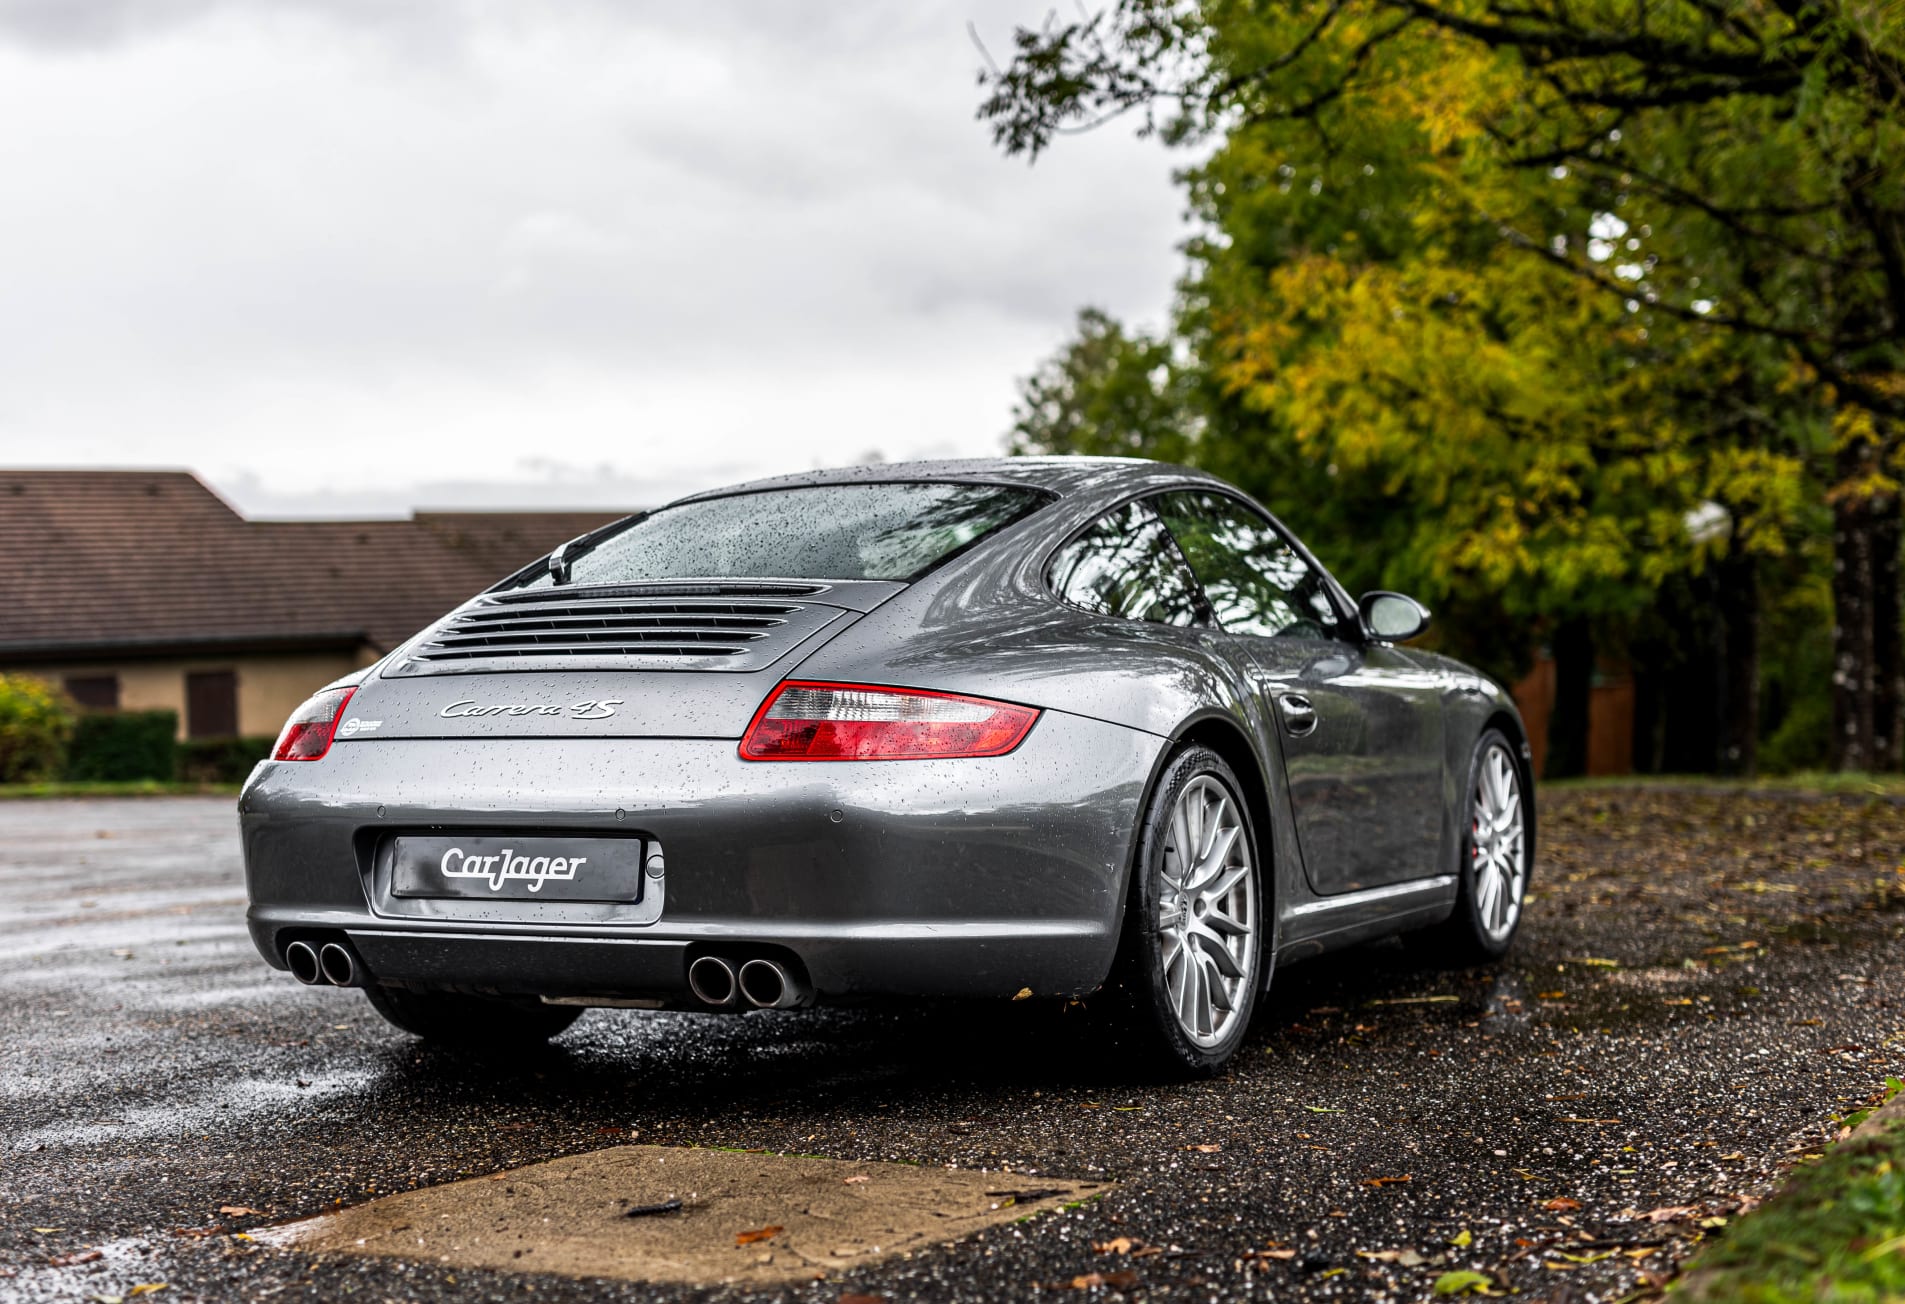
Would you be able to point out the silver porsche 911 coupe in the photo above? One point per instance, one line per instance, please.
(1063, 727)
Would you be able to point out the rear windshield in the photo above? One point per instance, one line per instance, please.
(820, 532)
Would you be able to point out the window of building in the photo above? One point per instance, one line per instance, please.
(94, 692)
(211, 704)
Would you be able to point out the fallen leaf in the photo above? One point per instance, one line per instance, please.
(1024, 994)
(856, 1179)
(1283, 1255)
(1560, 1204)
(1402, 1258)
(1205, 1150)
(1116, 1245)
(1590, 1120)
(70, 1260)
(1464, 1283)
(239, 1210)
(1463, 1239)
(1384, 1181)
(759, 1234)
(1088, 1280)
(197, 1232)
(1670, 1213)
(1319, 1109)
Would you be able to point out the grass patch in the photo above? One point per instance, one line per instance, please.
(1835, 1231)
(116, 788)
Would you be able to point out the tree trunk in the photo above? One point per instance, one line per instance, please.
(1856, 644)
(1573, 647)
(1888, 638)
(1738, 704)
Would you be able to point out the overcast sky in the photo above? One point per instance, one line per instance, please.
(350, 255)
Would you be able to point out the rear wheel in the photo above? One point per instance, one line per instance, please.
(1190, 960)
(453, 1019)
(1492, 874)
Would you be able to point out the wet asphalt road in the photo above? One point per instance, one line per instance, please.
(1703, 983)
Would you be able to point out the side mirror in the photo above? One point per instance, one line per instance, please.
(1392, 617)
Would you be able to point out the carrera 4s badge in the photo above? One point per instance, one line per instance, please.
(583, 710)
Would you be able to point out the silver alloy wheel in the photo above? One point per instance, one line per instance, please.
(1207, 911)
(1497, 855)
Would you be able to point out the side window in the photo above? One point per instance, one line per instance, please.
(1257, 583)
(1125, 564)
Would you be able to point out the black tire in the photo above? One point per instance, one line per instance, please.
(1465, 938)
(484, 1022)
(1143, 1016)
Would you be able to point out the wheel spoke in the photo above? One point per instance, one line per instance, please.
(1227, 884)
(1219, 992)
(1213, 949)
(1211, 863)
(1219, 922)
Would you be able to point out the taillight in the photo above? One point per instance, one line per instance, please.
(307, 734)
(862, 722)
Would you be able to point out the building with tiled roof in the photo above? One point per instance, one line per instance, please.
(144, 589)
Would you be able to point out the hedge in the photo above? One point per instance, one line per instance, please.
(221, 760)
(36, 720)
(118, 745)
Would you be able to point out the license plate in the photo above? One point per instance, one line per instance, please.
(527, 869)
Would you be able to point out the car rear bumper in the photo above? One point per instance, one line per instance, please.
(913, 878)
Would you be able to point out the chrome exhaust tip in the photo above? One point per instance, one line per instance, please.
(712, 981)
(768, 985)
(302, 959)
(338, 965)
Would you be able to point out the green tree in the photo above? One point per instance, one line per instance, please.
(1532, 264)
(36, 720)
(1109, 393)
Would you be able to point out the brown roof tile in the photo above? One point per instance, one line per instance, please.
(148, 559)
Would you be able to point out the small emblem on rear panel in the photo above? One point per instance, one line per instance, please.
(355, 725)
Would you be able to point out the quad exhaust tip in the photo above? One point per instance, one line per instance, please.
(315, 964)
(302, 959)
(712, 981)
(337, 964)
(769, 985)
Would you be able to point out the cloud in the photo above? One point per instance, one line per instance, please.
(322, 244)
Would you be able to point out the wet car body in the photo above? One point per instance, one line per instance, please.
(983, 877)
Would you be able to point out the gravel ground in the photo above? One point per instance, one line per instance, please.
(1703, 983)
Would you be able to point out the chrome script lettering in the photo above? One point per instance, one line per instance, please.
(505, 865)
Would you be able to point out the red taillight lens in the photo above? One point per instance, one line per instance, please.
(861, 722)
(307, 734)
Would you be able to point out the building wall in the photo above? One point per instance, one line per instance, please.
(1610, 717)
(269, 685)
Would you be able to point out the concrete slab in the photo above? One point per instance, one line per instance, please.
(747, 1218)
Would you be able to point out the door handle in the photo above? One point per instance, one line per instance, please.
(1299, 717)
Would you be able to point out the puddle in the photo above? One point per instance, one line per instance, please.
(753, 1219)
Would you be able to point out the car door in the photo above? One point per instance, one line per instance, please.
(1360, 723)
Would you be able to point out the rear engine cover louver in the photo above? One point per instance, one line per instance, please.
(658, 627)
